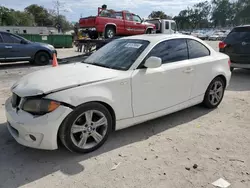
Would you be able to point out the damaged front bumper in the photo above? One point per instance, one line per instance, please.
(35, 131)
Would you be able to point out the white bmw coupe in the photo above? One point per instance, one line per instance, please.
(126, 82)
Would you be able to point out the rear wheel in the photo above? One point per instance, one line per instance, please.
(86, 128)
(42, 58)
(214, 93)
(109, 32)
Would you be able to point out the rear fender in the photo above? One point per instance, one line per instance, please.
(110, 24)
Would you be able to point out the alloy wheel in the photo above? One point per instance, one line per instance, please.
(216, 93)
(89, 129)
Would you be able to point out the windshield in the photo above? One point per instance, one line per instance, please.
(119, 54)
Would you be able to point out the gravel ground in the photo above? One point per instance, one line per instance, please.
(159, 153)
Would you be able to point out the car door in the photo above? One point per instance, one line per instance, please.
(14, 48)
(165, 27)
(2, 49)
(199, 56)
(129, 24)
(164, 87)
(139, 28)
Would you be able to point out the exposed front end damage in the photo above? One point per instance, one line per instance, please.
(33, 130)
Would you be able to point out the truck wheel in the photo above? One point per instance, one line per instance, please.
(149, 31)
(42, 58)
(109, 32)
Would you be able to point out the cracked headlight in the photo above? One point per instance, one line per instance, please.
(39, 106)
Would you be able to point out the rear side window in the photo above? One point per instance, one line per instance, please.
(8, 38)
(196, 49)
(171, 50)
(166, 25)
(118, 15)
(238, 34)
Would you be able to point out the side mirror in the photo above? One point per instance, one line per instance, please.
(142, 20)
(24, 42)
(153, 62)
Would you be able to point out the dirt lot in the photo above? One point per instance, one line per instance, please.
(158, 153)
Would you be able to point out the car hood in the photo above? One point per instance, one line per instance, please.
(59, 78)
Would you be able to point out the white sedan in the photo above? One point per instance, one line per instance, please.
(128, 81)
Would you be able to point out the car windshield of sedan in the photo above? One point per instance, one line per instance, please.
(119, 54)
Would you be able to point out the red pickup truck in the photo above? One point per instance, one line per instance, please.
(122, 23)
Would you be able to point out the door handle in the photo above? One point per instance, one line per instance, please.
(188, 70)
(8, 46)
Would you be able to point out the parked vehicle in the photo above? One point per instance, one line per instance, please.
(126, 82)
(163, 26)
(121, 23)
(217, 35)
(225, 34)
(195, 33)
(237, 46)
(14, 48)
(202, 36)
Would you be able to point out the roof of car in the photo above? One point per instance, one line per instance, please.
(158, 37)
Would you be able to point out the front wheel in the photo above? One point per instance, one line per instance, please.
(149, 31)
(86, 128)
(42, 58)
(214, 93)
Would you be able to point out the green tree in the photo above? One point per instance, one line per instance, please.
(23, 19)
(159, 14)
(7, 16)
(221, 12)
(40, 14)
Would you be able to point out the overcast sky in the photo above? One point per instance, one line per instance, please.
(75, 8)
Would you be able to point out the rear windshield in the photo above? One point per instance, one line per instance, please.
(238, 34)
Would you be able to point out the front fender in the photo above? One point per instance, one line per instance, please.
(115, 94)
(76, 98)
(43, 49)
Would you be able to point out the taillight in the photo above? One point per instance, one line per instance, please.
(229, 62)
(222, 45)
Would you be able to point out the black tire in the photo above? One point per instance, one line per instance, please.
(231, 69)
(149, 31)
(65, 128)
(42, 58)
(109, 32)
(207, 98)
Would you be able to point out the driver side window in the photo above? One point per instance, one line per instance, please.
(136, 19)
(170, 51)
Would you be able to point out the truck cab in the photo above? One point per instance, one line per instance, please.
(164, 26)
